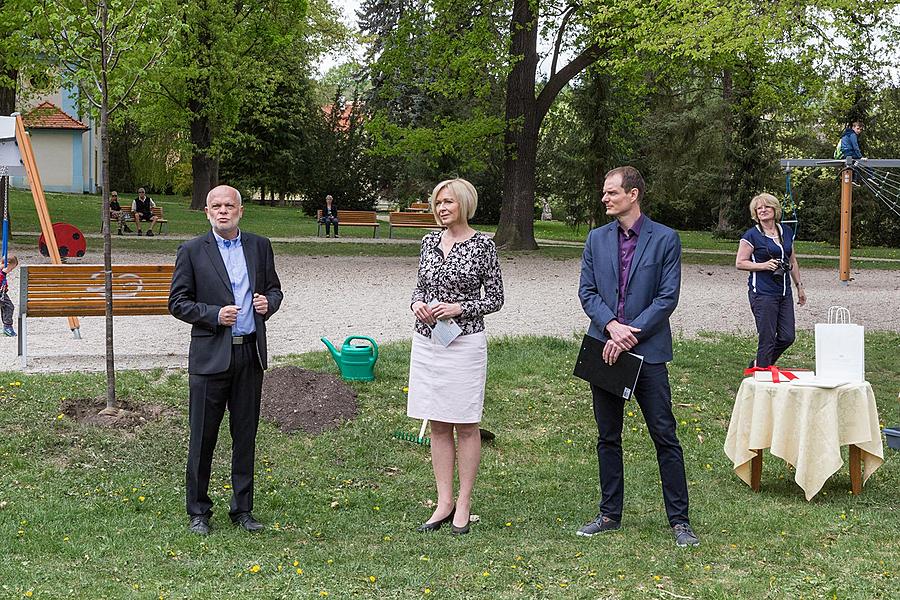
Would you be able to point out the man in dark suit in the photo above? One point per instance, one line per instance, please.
(630, 281)
(226, 287)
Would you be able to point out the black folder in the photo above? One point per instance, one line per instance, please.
(619, 378)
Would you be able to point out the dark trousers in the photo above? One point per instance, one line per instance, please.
(7, 308)
(654, 397)
(329, 221)
(775, 325)
(239, 389)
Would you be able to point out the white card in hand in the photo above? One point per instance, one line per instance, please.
(444, 331)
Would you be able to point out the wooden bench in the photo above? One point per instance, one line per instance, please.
(420, 207)
(351, 218)
(78, 291)
(129, 218)
(411, 219)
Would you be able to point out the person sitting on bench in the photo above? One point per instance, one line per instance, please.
(116, 212)
(142, 209)
(329, 216)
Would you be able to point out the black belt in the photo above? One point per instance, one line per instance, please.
(247, 338)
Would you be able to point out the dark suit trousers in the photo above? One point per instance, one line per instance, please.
(239, 389)
(655, 399)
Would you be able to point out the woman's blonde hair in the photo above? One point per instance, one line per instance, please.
(766, 200)
(462, 191)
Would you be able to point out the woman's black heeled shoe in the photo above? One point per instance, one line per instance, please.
(454, 530)
(426, 527)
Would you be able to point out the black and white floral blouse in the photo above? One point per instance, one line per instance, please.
(458, 279)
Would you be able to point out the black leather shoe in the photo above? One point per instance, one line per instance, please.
(454, 530)
(199, 524)
(247, 522)
(425, 527)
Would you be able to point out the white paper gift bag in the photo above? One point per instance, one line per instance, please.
(840, 351)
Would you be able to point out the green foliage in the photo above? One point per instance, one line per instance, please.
(95, 512)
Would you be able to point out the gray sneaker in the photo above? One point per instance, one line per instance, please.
(684, 535)
(599, 525)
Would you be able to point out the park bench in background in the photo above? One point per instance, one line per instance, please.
(419, 207)
(129, 218)
(411, 219)
(351, 218)
(77, 291)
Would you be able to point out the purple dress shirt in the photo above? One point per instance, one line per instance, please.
(627, 243)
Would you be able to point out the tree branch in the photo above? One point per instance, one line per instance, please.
(559, 36)
(557, 82)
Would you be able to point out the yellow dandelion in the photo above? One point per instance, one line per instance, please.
(656, 578)
(296, 563)
(387, 538)
(280, 568)
(427, 590)
(59, 417)
(372, 579)
(299, 571)
(376, 508)
(405, 389)
(329, 561)
(141, 498)
(508, 524)
(323, 593)
(66, 539)
(707, 568)
(254, 569)
(486, 574)
(29, 594)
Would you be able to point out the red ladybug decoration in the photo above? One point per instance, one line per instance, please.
(69, 239)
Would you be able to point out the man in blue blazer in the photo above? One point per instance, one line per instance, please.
(630, 281)
(226, 287)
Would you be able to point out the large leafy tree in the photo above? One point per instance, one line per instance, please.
(103, 48)
(222, 66)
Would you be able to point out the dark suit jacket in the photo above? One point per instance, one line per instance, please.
(200, 287)
(653, 285)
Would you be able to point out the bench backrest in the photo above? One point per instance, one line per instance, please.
(408, 218)
(349, 217)
(77, 290)
(420, 206)
(156, 211)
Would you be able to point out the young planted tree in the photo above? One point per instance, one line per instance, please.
(102, 49)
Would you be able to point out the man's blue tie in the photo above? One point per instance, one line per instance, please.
(227, 243)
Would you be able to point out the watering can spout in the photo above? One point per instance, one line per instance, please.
(334, 352)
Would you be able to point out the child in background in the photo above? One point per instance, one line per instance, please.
(6, 305)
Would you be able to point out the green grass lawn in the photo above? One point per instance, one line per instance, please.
(93, 513)
(83, 211)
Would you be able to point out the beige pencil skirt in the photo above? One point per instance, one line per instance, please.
(447, 384)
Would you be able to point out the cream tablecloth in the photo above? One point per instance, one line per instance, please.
(806, 426)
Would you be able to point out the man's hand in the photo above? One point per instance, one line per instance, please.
(260, 304)
(623, 335)
(611, 352)
(423, 312)
(228, 315)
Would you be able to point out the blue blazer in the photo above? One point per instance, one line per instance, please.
(652, 291)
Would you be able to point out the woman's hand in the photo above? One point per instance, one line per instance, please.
(443, 310)
(423, 312)
(771, 265)
(801, 296)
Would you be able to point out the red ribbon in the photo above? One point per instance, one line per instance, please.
(776, 373)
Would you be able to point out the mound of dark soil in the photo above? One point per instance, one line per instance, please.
(294, 398)
(127, 415)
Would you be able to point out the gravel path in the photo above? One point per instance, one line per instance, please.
(338, 296)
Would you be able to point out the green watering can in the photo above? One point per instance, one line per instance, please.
(357, 363)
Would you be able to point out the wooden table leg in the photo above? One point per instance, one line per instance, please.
(756, 470)
(855, 469)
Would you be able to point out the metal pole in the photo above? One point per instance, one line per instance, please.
(846, 203)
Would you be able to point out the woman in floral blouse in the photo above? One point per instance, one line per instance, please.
(446, 383)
